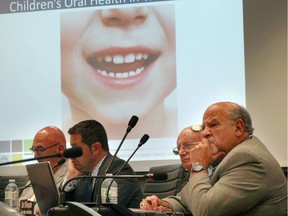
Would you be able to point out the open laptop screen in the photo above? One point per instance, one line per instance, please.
(44, 186)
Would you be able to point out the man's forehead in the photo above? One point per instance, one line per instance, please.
(76, 136)
(213, 115)
(39, 141)
(189, 136)
(43, 138)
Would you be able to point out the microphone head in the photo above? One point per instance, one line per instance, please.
(143, 140)
(72, 152)
(133, 121)
(160, 176)
(61, 161)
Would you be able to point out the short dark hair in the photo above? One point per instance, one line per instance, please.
(91, 131)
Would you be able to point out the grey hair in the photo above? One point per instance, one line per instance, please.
(240, 112)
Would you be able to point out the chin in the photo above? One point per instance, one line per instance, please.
(214, 148)
(187, 166)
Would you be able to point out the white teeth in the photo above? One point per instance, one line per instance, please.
(129, 58)
(103, 73)
(132, 73)
(125, 75)
(138, 56)
(145, 56)
(118, 75)
(118, 59)
(121, 75)
(121, 59)
(111, 74)
(108, 58)
(138, 71)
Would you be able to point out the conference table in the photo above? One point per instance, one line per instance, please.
(79, 209)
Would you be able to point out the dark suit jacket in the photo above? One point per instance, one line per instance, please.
(129, 190)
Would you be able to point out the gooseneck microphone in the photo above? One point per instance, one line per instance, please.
(159, 176)
(133, 121)
(59, 163)
(71, 153)
(143, 140)
(68, 153)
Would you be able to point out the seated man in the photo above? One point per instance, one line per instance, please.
(248, 179)
(91, 136)
(187, 139)
(49, 140)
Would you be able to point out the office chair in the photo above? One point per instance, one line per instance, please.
(168, 187)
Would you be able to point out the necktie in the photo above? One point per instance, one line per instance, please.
(88, 189)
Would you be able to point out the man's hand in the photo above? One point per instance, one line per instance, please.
(72, 171)
(205, 153)
(154, 203)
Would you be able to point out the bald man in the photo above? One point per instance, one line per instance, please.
(49, 140)
(248, 181)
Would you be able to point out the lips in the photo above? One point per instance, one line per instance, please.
(122, 63)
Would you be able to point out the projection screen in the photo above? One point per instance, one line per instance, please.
(164, 61)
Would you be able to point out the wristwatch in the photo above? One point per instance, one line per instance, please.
(197, 167)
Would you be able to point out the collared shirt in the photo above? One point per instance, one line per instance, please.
(212, 168)
(72, 184)
(96, 168)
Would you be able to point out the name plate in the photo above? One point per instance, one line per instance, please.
(27, 207)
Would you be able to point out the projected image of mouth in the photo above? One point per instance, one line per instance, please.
(122, 64)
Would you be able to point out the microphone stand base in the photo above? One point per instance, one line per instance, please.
(72, 209)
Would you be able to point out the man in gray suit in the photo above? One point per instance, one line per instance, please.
(186, 140)
(248, 179)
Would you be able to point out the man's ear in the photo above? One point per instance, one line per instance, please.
(95, 147)
(239, 127)
(61, 147)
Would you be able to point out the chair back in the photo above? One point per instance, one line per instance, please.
(168, 187)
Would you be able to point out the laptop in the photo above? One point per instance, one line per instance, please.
(44, 186)
(47, 194)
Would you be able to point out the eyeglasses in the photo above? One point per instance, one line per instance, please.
(41, 149)
(186, 147)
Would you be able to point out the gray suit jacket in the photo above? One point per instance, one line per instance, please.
(248, 181)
